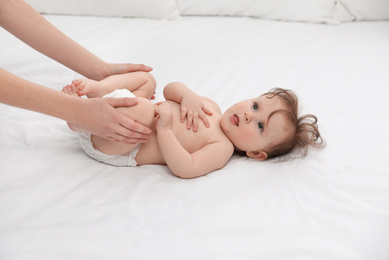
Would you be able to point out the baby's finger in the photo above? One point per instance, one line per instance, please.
(207, 111)
(195, 123)
(204, 118)
(189, 121)
(184, 110)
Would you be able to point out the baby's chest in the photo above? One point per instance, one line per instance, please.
(193, 141)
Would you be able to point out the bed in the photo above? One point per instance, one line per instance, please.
(57, 203)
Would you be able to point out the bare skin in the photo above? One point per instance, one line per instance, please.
(190, 153)
(99, 115)
(186, 142)
(144, 82)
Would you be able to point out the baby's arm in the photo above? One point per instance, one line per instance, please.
(192, 106)
(182, 163)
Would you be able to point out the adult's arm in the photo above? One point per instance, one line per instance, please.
(24, 22)
(95, 115)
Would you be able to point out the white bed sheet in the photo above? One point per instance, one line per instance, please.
(57, 203)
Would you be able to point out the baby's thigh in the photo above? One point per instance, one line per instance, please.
(142, 113)
(143, 84)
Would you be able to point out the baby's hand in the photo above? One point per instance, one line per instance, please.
(165, 116)
(193, 109)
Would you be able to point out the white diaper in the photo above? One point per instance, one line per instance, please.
(118, 93)
(127, 159)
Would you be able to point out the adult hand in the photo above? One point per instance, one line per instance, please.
(121, 68)
(100, 117)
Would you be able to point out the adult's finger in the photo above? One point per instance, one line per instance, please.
(134, 130)
(124, 139)
(122, 102)
(139, 67)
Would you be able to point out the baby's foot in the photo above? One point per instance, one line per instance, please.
(88, 87)
(72, 91)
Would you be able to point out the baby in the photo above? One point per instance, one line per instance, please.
(262, 127)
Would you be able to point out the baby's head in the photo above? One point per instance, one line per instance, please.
(268, 126)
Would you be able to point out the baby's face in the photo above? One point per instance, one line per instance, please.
(249, 128)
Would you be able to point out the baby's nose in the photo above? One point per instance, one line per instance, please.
(248, 117)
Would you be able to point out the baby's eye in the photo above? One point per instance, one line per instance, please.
(255, 106)
(260, 126)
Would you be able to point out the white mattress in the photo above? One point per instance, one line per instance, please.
(57, 203)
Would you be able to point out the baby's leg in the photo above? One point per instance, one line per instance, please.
(142, 113)
(141, 84)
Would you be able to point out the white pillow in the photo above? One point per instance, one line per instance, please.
(359, 10)
(155, 9)
(290, 10)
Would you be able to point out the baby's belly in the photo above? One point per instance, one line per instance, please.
(149, 152)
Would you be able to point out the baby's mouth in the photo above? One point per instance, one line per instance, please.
(235, 119)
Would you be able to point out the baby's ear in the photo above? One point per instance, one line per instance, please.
(259, 155)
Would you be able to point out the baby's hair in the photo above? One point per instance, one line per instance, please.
(305, 129)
